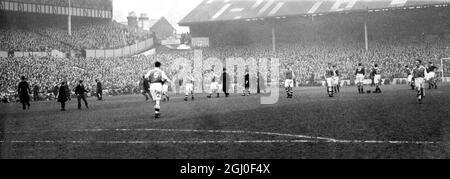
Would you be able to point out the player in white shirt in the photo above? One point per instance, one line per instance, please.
(214, 87)
(189, 87)
(336, 85)
(289, 82)
(156, 78)
(165, 88)
(431, 75)
(329, 74)
(409, 74)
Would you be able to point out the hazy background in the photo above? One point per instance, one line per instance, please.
(173, 10)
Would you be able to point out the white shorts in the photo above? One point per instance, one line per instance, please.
(288, 83)
(156, 90)
(214, 86)
(335, 81)
(165, 88)
(430, 75)
(377, 79)
(359, 78)
(189, 87)
(330, 81)
(410, 78)
(419, 82)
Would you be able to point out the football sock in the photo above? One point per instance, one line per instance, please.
(157, 107)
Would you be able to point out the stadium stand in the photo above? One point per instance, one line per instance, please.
(97, 4)
(86, 34)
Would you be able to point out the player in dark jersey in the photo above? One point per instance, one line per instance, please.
(214, 86)
(289, 82)
(360, 72)
(145, 88)
(431, 75)
(246, 84)
(376, 78)
(156, 77)
(419, 73)
(329, 74)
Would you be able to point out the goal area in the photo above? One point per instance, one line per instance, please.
(445, 69)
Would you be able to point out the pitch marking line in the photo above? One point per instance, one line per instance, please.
(220, 142)
(307, 139)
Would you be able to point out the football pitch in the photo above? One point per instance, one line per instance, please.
(310, 125)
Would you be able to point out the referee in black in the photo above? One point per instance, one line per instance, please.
(225, 82)
(99, 90)
(24, 92)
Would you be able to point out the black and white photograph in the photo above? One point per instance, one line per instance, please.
(225, 79)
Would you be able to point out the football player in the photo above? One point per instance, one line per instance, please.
(165, 88)
(214, 87)
(189, 87)
(360, 72)
(419, 73)
(156, 77)
(246, 83)
(336, 84)
(431, 75)
(377, 78)
(329, 74)
(409, 74)
(289, 82)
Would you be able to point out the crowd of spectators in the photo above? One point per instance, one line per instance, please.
(85, 35)
(309, 60)
(91, 4)
(118, 75)
(16, 39)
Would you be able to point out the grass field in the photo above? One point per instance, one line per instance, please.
(311, 125)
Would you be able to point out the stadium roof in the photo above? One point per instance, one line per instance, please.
(226, 10)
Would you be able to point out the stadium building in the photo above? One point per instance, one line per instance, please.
(237, 22)
(161, 27)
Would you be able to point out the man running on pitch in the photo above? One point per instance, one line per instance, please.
(156, 78)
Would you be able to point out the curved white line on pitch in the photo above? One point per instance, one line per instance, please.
(213, 131)
(309, 139)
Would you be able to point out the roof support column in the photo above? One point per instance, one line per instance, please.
(69, 20)
(365, 36)
(273, 39)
